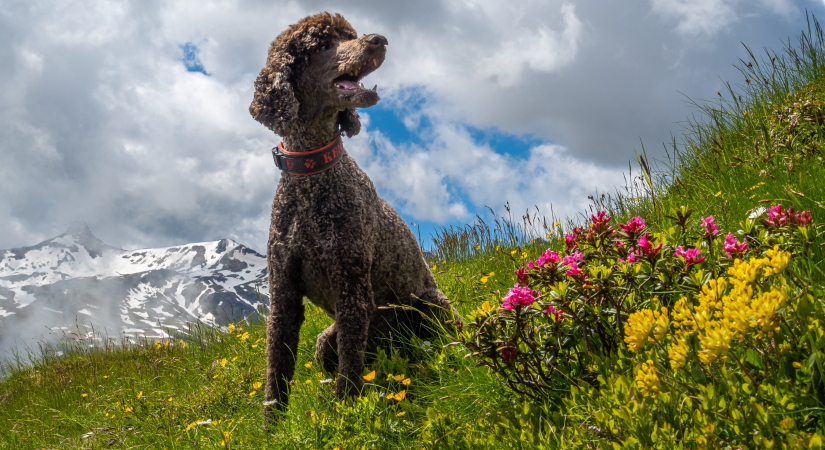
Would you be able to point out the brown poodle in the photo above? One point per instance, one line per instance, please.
(332, 238)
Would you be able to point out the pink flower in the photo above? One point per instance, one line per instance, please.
(691, 255)
(508, 353)
(555, 312)
(547, 257)
(632, 257)
(573, 258)
(600, 221)
(574, 271)
(710, 227)
(633, 225)
(732, 247)
(776, 217)
(521, 277)
(569, 241)
(518, 296)
(804, 218)
(647, 247)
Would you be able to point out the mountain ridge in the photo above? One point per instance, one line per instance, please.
(75, 280)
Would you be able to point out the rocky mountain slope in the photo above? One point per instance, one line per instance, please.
(74, 282)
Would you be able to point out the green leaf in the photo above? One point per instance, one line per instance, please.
(753, 358)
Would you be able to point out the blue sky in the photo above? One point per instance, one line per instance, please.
(132, 116)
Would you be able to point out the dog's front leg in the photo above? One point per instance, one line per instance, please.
(354, 307)
(283, 327)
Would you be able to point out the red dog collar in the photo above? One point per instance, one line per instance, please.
(309, 163)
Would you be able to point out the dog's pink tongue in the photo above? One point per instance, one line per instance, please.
(346, 84)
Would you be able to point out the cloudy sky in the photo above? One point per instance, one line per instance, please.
(132, 115)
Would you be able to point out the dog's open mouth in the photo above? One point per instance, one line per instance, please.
(350, 83)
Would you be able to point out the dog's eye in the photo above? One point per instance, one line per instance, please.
(323, 47)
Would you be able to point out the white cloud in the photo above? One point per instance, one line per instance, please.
(101, 121)
(698, 17)
(442, 180)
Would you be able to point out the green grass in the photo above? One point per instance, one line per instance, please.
(153, 394)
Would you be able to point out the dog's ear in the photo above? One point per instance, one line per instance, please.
(348, 122)
(275, 104)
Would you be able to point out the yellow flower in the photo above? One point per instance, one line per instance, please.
(715, 341)
(128, 409)
(487, 277)
(435, 267)
(647, 381)
(797, 365)
(105, 376)
(764, 310)
(308, 382)
(257, 385)
(681, 314)
(712, 292)
(231, 328)
(370, 376)
(253, 393)
(401, 413)
(183, 344)
(398, 396)
(223, 362)
(139, 395)
(406, 382)
(717, 194)
(514, 251)
(746, 272)
(486, 308)
(778, 260)
(84, 395)
(244, 336)
(523, 255)
(398, 377)
(678, 353)
(170, 399)
(661, 324)
(308, 365)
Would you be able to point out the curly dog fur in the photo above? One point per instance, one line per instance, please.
(332, 238)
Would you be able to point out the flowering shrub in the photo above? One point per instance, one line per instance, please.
(616, 284)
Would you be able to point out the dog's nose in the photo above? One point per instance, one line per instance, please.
(377, 39)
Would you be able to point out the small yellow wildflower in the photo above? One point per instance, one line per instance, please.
(435, 267)
(711, 293)
(128, 409)
(641, 324)
(244, 336)
(523, 255)
(105, 376)
(370, 376)
(401, 413)
(223, 362)
(486, 308)
(398, 377)
(398, 396)
(764, 310)
(682, 317)
(308, 382)
(715, 341)
(717, 194)
(514, 251)
(139, 395)
(231, 328)
(84, 395)
(253, 393)
(406, 382)
(797, 365)
(308, 364)
(183, 344)
(678, 353)
(778, 260)
(170, 399)
(257, 385)
(487, 277)
(647, 381)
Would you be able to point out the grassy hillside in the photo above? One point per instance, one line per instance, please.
(759, 144)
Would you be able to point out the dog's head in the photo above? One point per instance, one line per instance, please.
(314, 69)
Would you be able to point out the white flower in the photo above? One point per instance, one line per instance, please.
(427, 346)
(756, 212)
(325, 381)
(270, 402)
(205, 422)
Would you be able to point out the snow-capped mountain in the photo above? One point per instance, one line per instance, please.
(76, 279)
